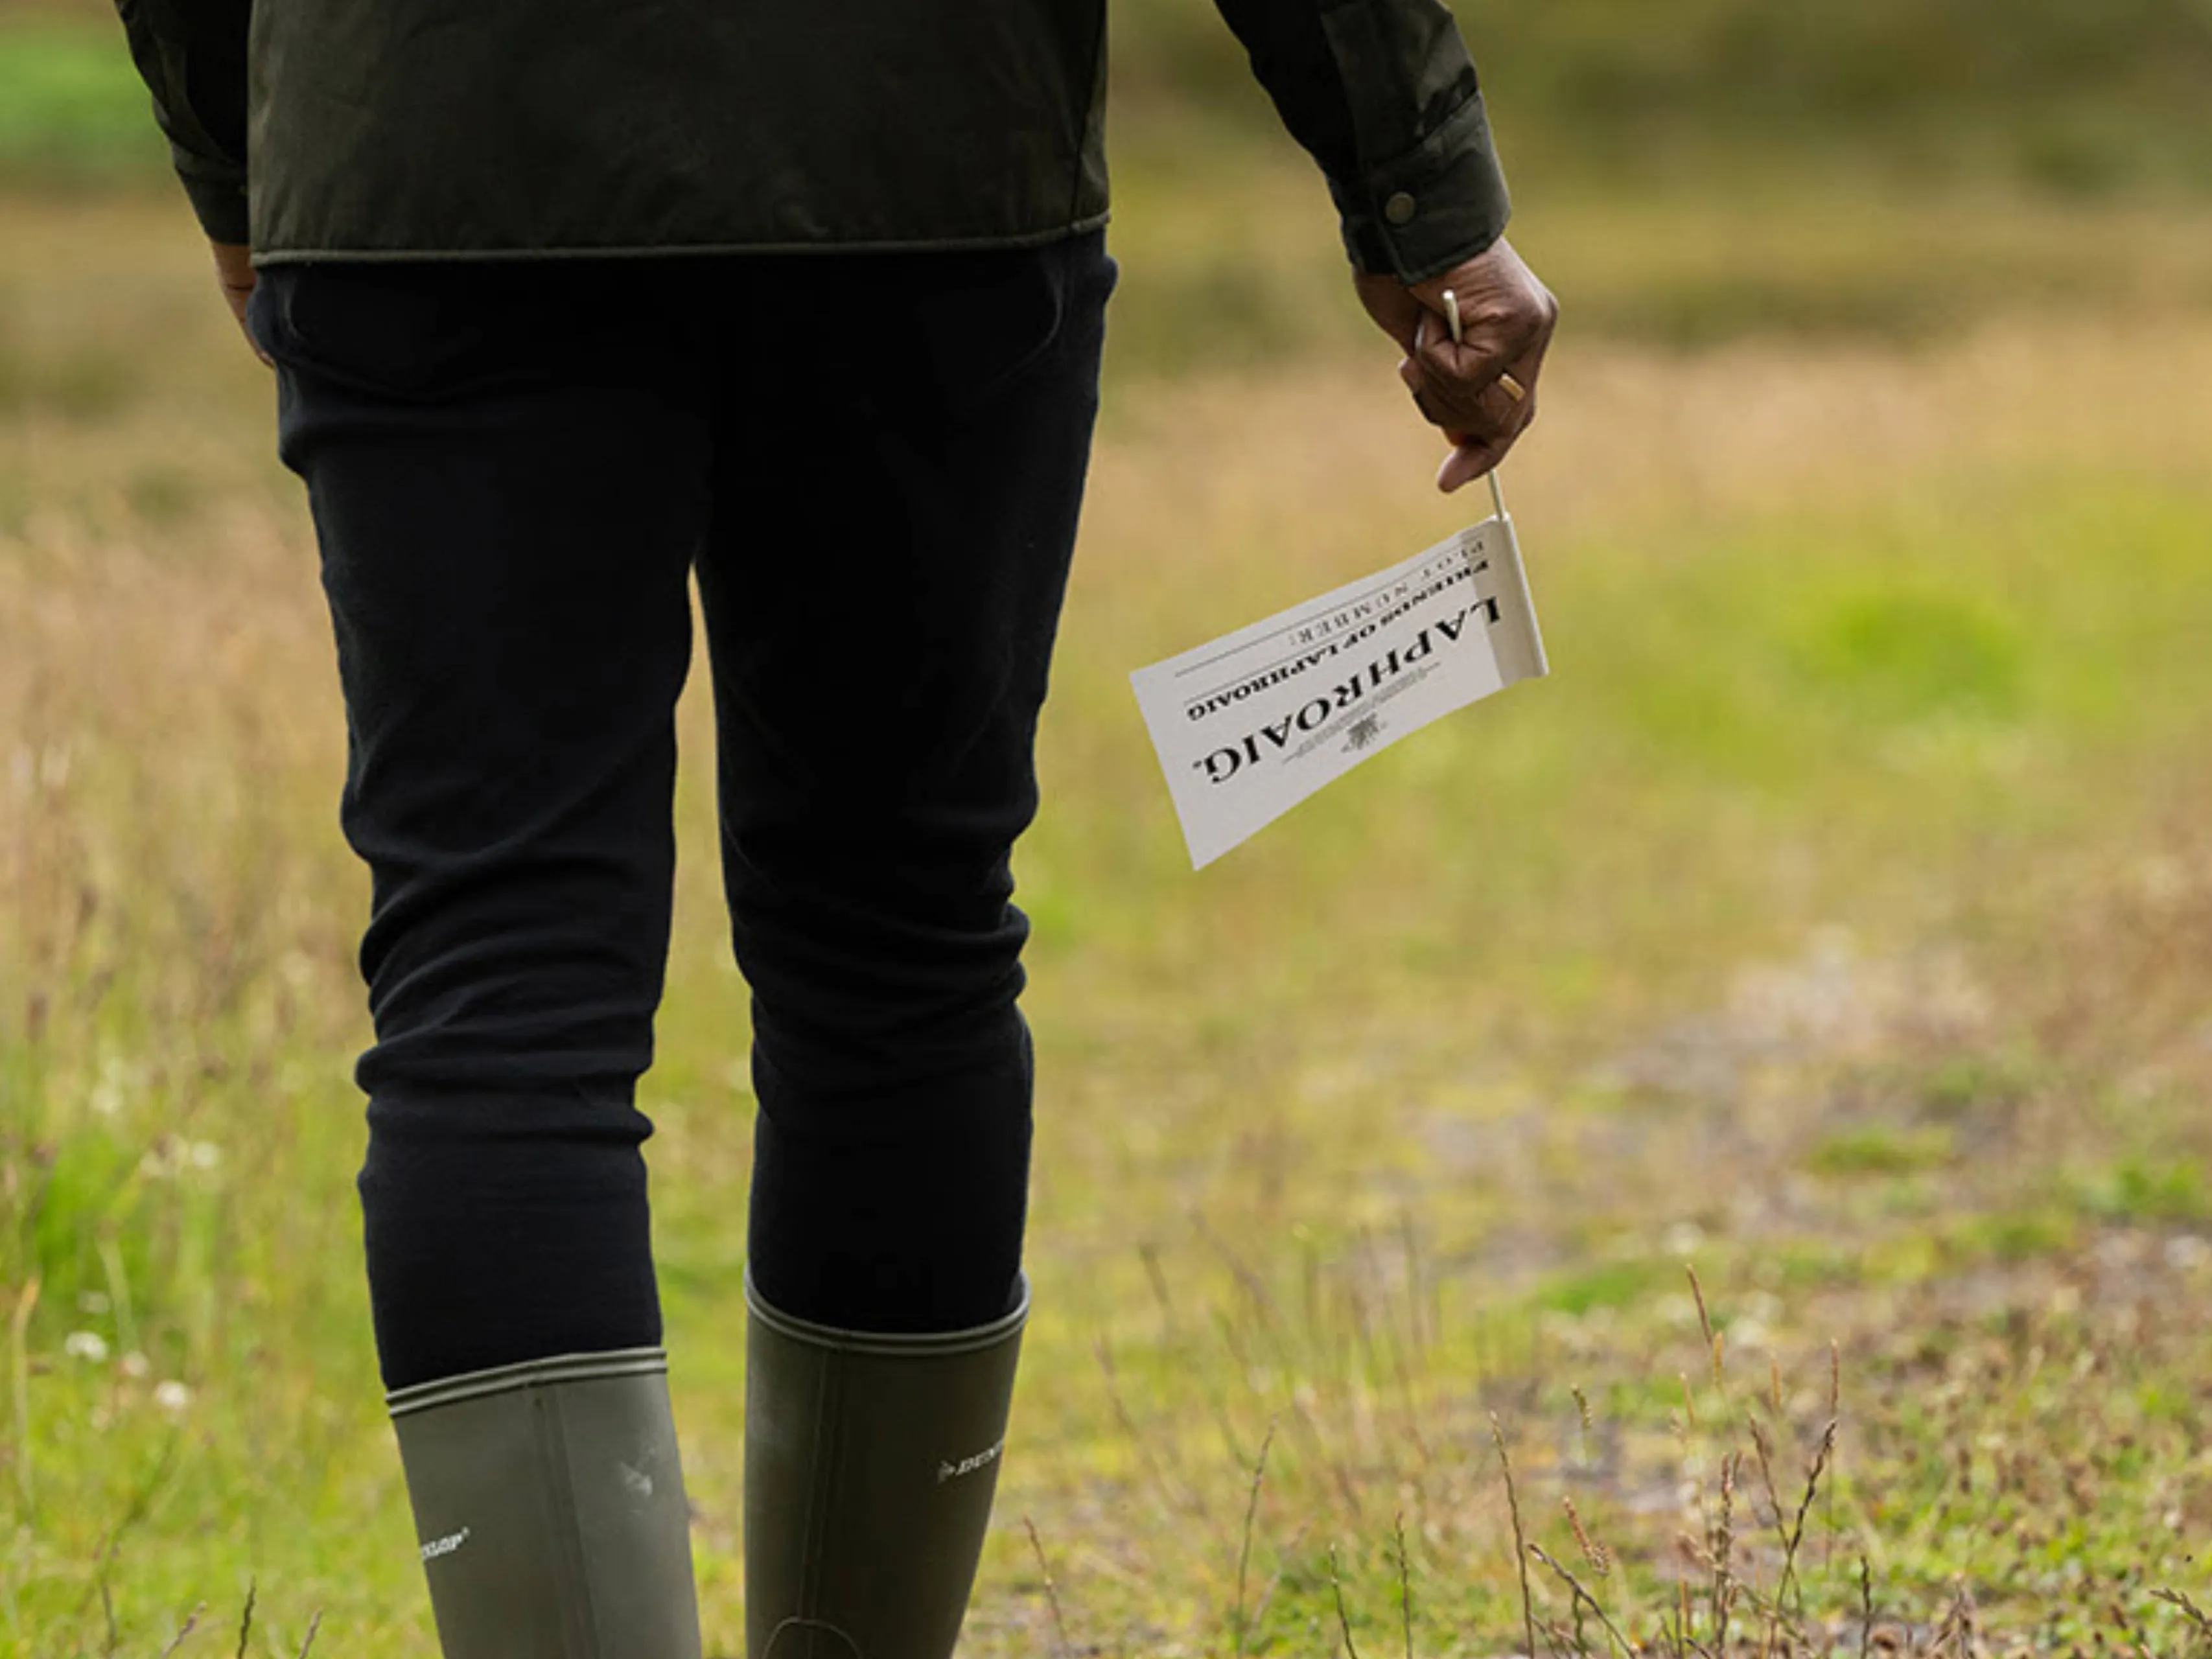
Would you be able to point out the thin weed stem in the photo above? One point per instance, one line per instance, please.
(1244, 1549)
(1583, 1598)
(1343, 1615)
(1052, 1592)
(2189, 1609)
(1520, 1537)
(1835, 1415)
(1723, 1549)
(1796, 1536)
(19, 1374)
(192, 1623)
(1706, 1323)
(1405, 1587)
(1599, 1557)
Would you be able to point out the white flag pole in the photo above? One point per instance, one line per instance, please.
(1451, 316)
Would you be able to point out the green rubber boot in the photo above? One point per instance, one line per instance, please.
(870, 1465)
(550, 1502)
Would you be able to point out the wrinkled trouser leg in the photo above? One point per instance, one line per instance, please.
(507, 471)
(882, 583)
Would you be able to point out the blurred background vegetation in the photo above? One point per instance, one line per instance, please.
(1964, 154)
(1838, 918)
(2082, 99)
(2079, 97)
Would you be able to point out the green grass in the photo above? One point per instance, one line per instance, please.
(72, 109)
(1835, 920)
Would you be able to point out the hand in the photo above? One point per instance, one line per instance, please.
(234, 271)
(1506, 318)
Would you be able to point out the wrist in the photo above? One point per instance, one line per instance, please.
(1438, 206)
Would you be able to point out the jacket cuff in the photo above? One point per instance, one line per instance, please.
(218, 199)
(1440, 204)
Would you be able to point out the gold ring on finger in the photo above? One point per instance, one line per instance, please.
(1513, 388)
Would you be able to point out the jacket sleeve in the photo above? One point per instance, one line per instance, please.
(191, 54)
(1382, 95)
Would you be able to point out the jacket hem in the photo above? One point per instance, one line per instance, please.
(623, 251)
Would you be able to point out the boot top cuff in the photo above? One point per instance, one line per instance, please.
(893, 1343)
(530, 1374)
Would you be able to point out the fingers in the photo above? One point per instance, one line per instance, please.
(1483, 419)
(237, 299)
(1503, 405)
(1478, 381)
(235, 276)
(1480, 388)
(1462, 380)
(1468, 461)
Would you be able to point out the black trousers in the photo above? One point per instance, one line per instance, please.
(873, 465)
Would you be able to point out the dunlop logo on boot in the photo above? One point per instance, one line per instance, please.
(446, 1546)
(969, 1465)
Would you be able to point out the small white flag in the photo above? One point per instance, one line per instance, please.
(1252, 724)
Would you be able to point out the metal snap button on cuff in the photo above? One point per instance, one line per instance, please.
(1399, 209)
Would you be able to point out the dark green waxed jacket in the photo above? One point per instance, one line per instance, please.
(449, 129)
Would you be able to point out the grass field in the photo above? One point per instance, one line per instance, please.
(1836, 923)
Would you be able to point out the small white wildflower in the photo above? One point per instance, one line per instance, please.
(135, 1365)
(1682, 1238)
(203, 1154)
(119, 1083)
(171, 1396)
(85, 1345)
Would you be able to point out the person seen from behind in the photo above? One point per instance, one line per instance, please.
(572, 304)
